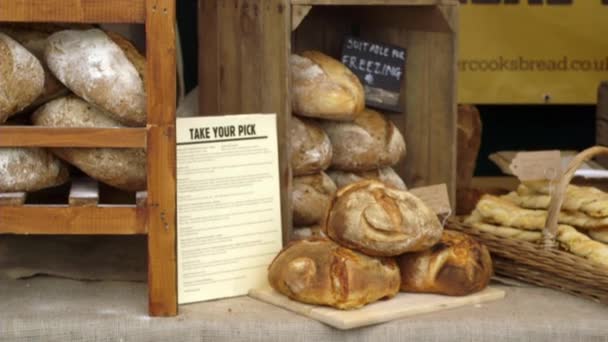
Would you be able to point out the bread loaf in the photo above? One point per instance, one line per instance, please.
(318, 271)
(457, 265)
(322, 87)
(121, 168)
(370, 142)
(104, 71)
(303, 233)
(310, 147)
(311, 197)
(21, 77)
(30, 169)
(378, 220)
(385, 175)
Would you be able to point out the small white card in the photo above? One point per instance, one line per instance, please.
(228, 204)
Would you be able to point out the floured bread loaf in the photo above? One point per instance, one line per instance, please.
(21, 77)
(457, 265)
(322, 87)
(370, 142)
(385, 175)
(30, 169)
(303, 233)
(318, 271)
(121, 168)
(310, 147)
(378, 220)
(104, 70)
(311, 197)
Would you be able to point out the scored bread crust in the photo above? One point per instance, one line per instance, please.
(310, 147)
(311, 198)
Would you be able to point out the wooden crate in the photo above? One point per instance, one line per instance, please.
(244, 50)
(154, 212)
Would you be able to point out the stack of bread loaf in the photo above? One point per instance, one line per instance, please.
(583, 220)
(70, 77)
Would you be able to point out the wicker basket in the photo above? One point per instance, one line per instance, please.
(544, 263)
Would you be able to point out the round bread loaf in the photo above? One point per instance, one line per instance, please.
(457, 265)
(311, 197)
(21, 77)
(378, 220)
(30, 169)
(385, 175)
(104, 71)
(322, 87)
(310, 147)
(121, 168)
(370, 142)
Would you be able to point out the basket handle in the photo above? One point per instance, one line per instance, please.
(557, 196)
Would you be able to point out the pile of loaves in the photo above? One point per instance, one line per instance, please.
(372, 238)
(583, 220)
(55, 76)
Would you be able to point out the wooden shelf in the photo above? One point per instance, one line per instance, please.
(27, 136)
(374, 2)
(73, 11)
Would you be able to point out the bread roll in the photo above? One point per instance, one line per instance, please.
(21, 77)
(378, 220)
(121, 168)
(385, 175)
(318, 271)
(310, 147)
(30, 169)
(322, 87)
(370, 142)
(311, 197)
(457, 265)
(103, 71)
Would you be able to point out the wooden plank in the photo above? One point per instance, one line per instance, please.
(298, 13)
(73, 11)
(27, 136)
(161, 90)
(84, 192)
(12, 198)
(375, 2)
(64, 220)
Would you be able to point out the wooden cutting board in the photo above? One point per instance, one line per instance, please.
(400, 306)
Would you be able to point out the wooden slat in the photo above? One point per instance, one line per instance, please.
(84, 192)
(161, 89)
(72, 220)
(12, 198)
(27, 136)
(375, 2)
(298, 13)
(73, 11)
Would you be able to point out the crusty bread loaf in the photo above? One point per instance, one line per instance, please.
(385, 175)
(310, 147)
(322, 87)
(122, 168)
(457, 265)
(378, 220)
(311, 197)
(303, 233)
(95, 68)
(318, 271)
(21, 77)
(30, 169)
(370, 142)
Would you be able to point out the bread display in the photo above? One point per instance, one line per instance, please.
(322, 87)
(385, 175)
(475, 220)
(589, 200)
(580, 244)
(369, 142)
(21, 77)
(318, 271)
(311, 197)
(600, 235)
(30, 169)
(381, 221)
(456, 266)
(104, 70)
(311, 149)
(121, 168)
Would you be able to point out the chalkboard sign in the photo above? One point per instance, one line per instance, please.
(380, 67)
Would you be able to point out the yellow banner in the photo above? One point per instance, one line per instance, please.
(532, 51)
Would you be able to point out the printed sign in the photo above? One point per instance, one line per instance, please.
(380, 67)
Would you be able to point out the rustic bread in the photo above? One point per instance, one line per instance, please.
(322, 87)
(311, 197)
(378, 220)
(457, 265)
(21, 77)
(318, 271)
(121, 168)
(30, 169)
(310, 147)
(385, 175)
(370, 142)
(97, 69)
(303, 233)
